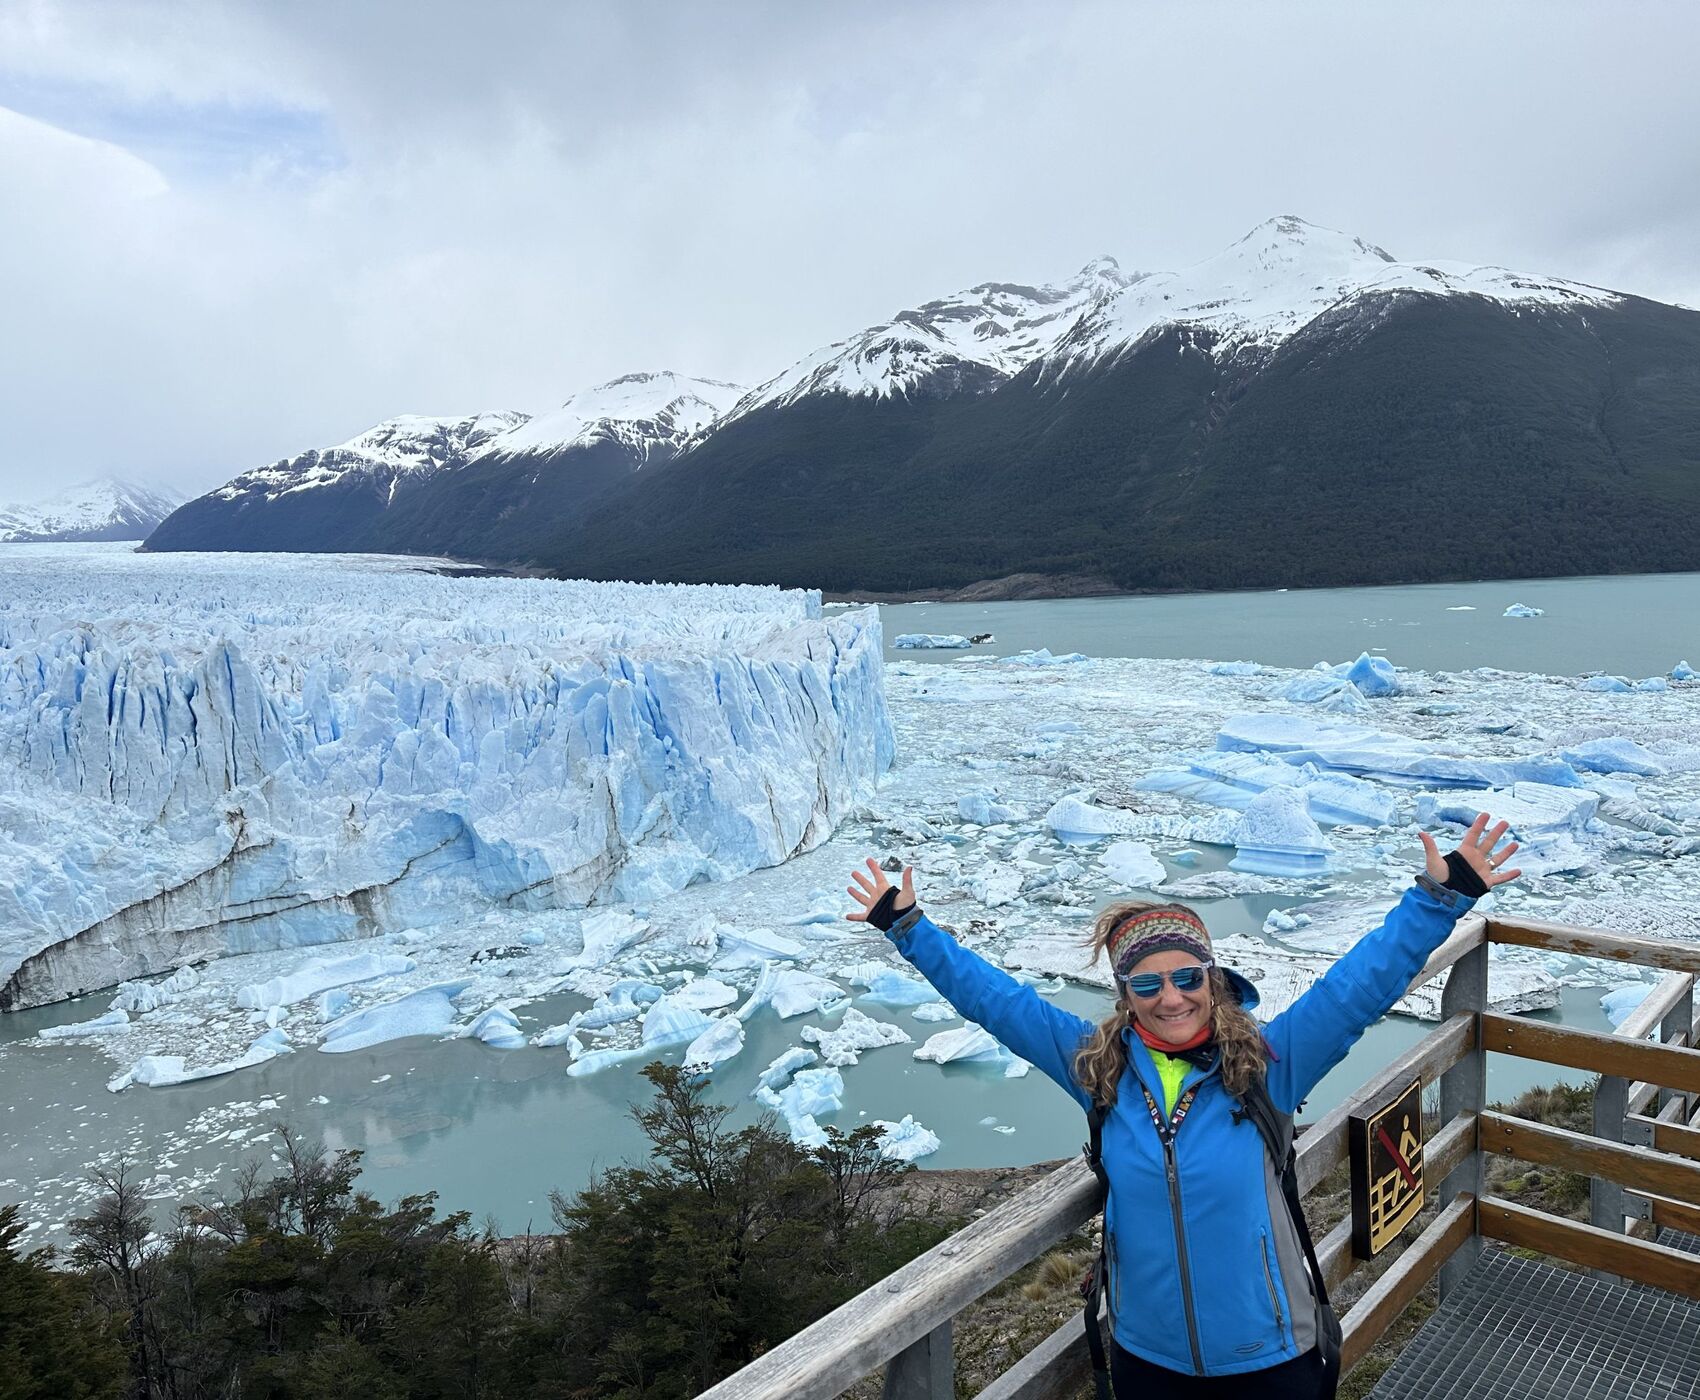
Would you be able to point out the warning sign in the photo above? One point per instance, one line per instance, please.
(1387, 1171)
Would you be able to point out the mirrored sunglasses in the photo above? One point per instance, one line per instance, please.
(1146, 985)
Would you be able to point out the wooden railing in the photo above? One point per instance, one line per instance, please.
(1643, 1162)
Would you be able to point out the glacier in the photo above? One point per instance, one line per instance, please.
(205, 755)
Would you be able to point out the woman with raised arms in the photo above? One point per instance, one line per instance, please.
(1209, 1292)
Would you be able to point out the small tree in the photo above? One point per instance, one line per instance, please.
(52, 1345)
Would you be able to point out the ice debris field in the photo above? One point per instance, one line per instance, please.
(275, 809)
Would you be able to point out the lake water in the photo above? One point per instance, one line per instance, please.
(1633, 625)
(493, 1132)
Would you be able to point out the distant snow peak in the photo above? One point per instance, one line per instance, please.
(412, 445)
(104, 509)
(647, 413)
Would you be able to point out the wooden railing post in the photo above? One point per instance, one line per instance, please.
(923, 1370)
(1678, 1023)
(1463, 1089)
(1605, 1198)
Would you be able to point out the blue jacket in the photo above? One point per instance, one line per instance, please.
(1207, 1275)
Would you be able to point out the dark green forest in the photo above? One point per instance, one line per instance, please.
(658, 1279)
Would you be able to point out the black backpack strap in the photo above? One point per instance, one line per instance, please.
(1278, 1135)
(1093, 1288)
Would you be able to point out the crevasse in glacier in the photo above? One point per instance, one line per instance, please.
(210, 754)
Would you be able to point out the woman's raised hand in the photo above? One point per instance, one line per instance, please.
(868, 888)
(1477, 851)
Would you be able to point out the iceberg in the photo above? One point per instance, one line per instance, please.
(1523, 610)
(983, 809)
(217, 754)
(162, 1071)
(968, 1044)
(1608, 685)
(890, 987)
(857, 1032)
(905, 1141)
(1682, 671)
(930, 641)
(670, 1022)
(790, 993)
(100, 1025)
(1043, 657)
(995, 885)
(320, 975)
(1130, 863)
(810, 1093)
(498, 1027)
(1614, 755)
(427, 1011)
(753, 947)
(1077, 822)
(1324, 690)
(778, 1074)
(1234, 668)
(1277, 836)
(1374, 676)
(1620, 1001)
(719, 1043)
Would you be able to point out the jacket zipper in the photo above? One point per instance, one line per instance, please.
(1269, 1278)
(1180, 1249)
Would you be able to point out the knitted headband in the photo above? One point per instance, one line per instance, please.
(1157, 931)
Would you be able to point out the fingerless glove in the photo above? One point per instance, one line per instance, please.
(1461, 876)
(885, 913)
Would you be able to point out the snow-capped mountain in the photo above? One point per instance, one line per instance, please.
(1301, 408)
(388, 456)
(972, 341)
(1280, 277)
(476, 487)
(106, 509)
(650, 415)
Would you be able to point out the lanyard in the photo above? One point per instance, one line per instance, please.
(1167, 1129)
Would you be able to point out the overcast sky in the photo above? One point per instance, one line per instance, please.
(229, 232)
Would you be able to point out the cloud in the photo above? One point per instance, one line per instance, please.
(253, 229)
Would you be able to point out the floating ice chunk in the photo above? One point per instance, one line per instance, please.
(1353, 748)
(720, 1042)
(1276, 835)
(670, 1022)
(995, 884)
(965, 1044)
(1330, 692)
(1610, 685)
(139, 997)
(597, 1060)
(606, 934)
(1057, 955)
(779, 1073)
(1077, 822)
(905, 1141)
(935, 1011)
(1043, 657)
(790, 992)
(704, 993)
(931, 641)
(338, 1001)
(159, 1071)
(1131, 863)
(1614, 755)
(983, 809)
(1282, 921)
(1461, 607)
(1523, 610)
(321, 974)
(890, 987)
(276, 1040)
(1620, 1001)
(1534, 810)
(564, 1034)
(810, 1093)
(1374, 676)
(498, 1027)
(1234, 668)
(857, 1032)
(115, 1020)
(427, 1011)
(703, 937)
(1682, 671)
(751, 947)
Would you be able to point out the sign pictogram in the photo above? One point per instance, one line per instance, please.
(1387, 1170)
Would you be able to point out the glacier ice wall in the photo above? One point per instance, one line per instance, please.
(210, 754)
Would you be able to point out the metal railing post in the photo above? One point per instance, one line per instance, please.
(1678, 1021)
(1605, 1198)
(923, 1370)
(1463, 1089)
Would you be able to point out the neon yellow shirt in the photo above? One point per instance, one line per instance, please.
(1171, 1071)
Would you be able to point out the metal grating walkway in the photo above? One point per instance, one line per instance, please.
(1677, 1240)
(1522, 1330)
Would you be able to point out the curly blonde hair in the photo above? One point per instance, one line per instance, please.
(1099, 1062)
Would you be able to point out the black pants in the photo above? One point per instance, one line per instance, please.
(1133, 1378)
